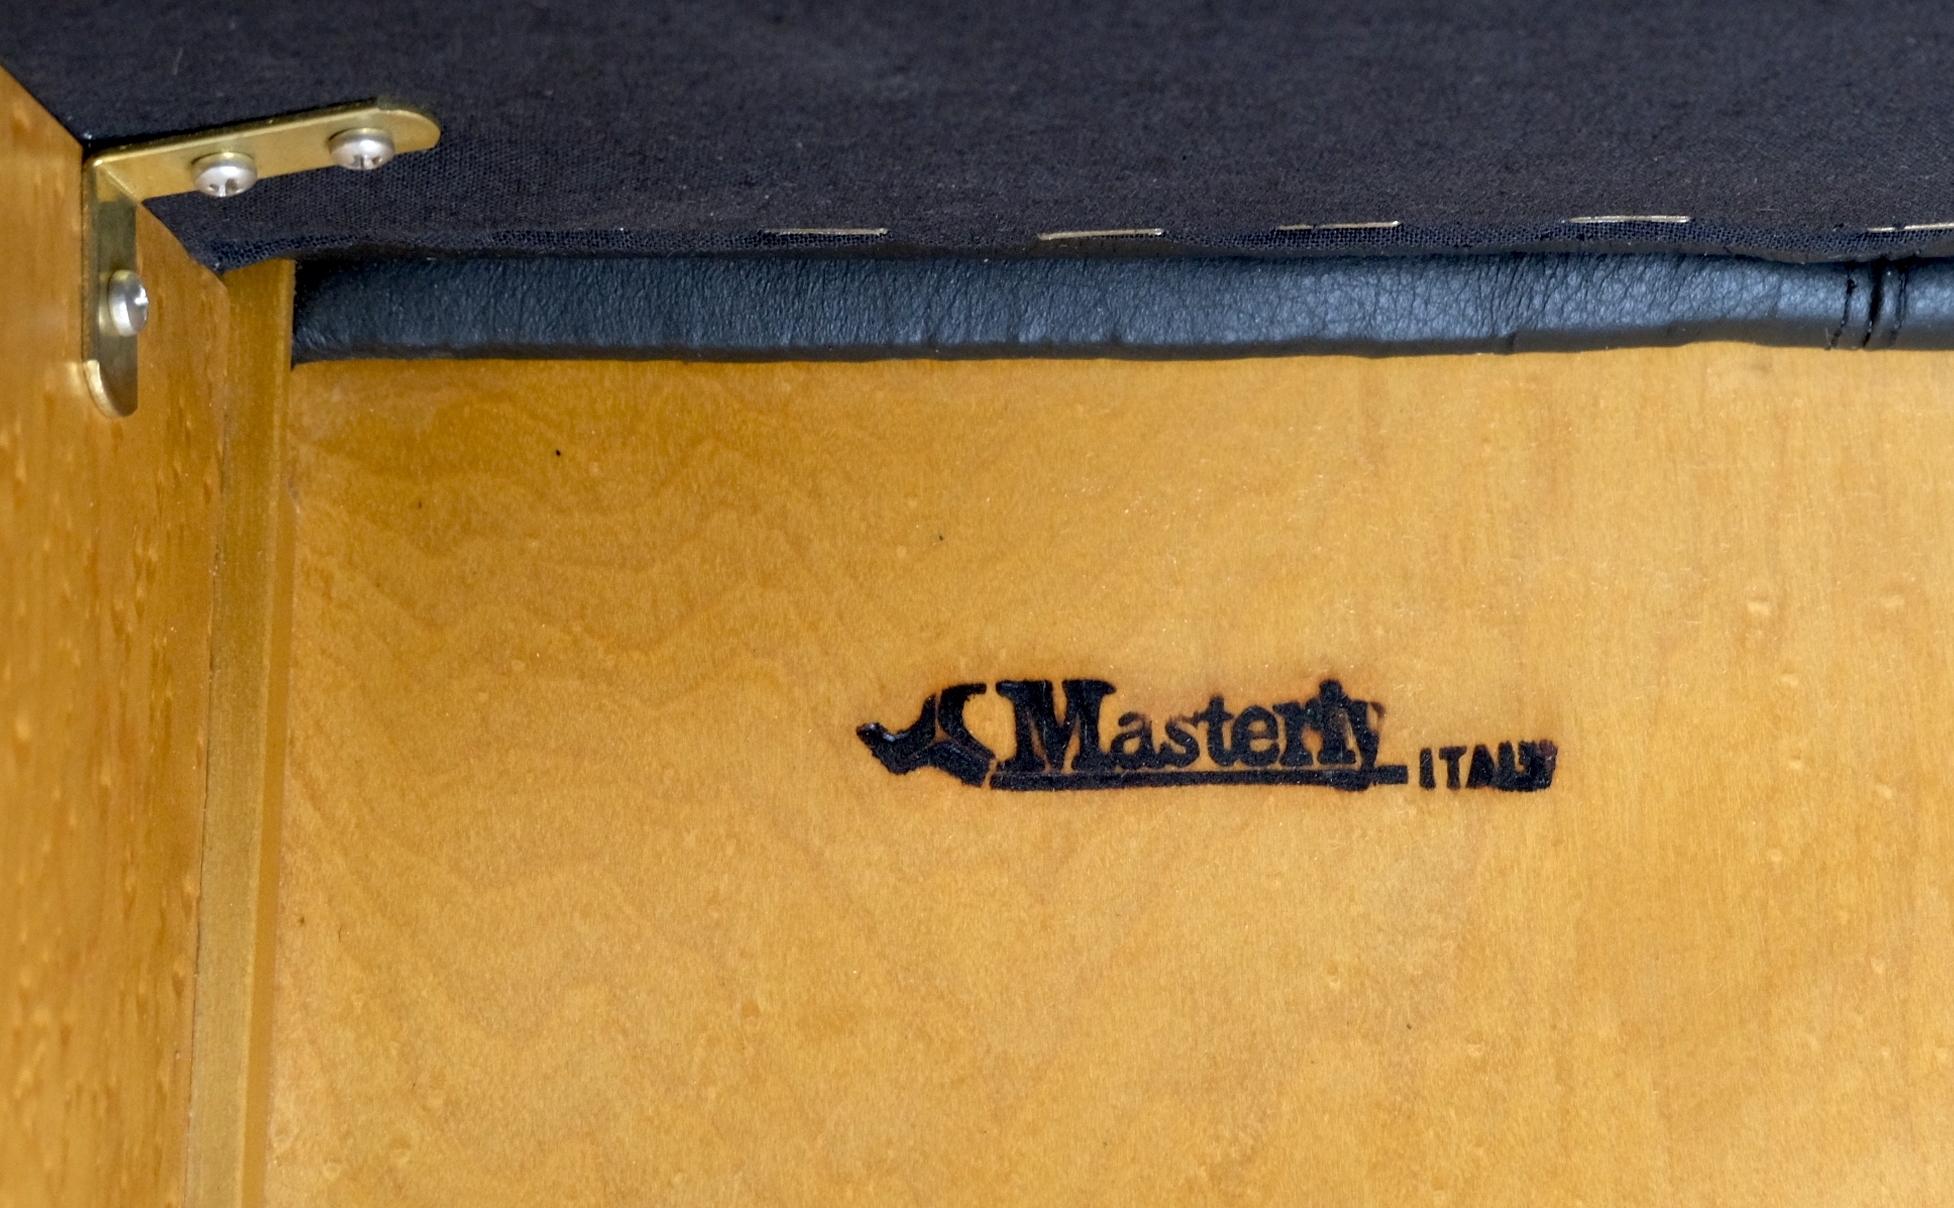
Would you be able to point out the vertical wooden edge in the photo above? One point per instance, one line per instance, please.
(251, 628)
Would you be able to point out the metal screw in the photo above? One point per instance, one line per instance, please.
(225, 174)
(363, 149)
(126, 303)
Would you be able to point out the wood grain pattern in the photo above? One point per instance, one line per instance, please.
(250, 627)
(592, 896)
(107, 531)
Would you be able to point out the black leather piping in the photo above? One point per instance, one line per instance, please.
(793, 308)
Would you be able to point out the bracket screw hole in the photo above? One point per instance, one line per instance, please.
(127, 302)
(363, 149)
(225, 174)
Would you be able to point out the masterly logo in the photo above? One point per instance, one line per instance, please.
(1061, 742)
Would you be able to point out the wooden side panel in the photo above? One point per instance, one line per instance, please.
(592, 895)
(106, 541)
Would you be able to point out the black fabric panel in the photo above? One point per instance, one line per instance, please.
(857, 307)
(1781, 128)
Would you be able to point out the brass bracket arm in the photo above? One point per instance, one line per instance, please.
(221, 163)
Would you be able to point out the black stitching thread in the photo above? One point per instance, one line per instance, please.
(1875, 298)
(1845, 313)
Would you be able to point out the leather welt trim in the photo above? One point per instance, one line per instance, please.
(863, 308)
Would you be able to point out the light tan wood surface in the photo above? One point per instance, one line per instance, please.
(251, 624)
(590, 893)
(107, 533)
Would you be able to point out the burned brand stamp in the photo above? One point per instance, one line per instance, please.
(1062, 740)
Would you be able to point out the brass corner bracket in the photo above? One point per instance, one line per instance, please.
(221, 163)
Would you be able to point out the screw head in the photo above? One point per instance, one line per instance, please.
(225, 174)
(126, 303)
(362, 149)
